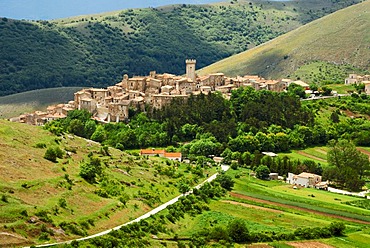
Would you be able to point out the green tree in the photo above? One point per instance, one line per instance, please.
(347, 165)
(262, 172)
(238, 231)
(183, 188)
(91, 169)
(313, 87)
(326, 91)
(225, 181)
(52, 153)
(297, 90)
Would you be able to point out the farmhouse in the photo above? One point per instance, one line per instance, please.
(176, 156)
(304, 179)
(356, 79)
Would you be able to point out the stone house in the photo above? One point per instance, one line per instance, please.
(304, 179)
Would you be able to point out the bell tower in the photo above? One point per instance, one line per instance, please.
(190, 68)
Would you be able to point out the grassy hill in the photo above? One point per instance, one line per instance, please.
(335, 44)
(42, 201)
(98, 49)
(25, 102)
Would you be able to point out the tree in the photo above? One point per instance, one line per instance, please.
(326, 91)
(89, 170)
(262, 172)
(225, 181)
(334, 117)
(183, 188)
(313, 87)
(238, 231)
(52, 153)
(347, 165)
(297, 90)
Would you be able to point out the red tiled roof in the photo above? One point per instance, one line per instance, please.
(172, 154)
(151, 152)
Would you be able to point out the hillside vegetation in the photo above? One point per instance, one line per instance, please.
(97, 50)
(56, 188)
(335, 44)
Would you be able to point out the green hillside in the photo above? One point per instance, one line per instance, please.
(97, 50)
(43, 201)
(333, 45)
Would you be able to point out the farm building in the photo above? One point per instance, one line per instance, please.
(304, 179)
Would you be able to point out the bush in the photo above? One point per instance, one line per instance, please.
(337, 228)
(52, 153)
(225, 181)
(62, 203)
(4, 198)
(238, 231)
(262, 172)
(89, 170)
(44, 216)
(40, 145)
(44, 236)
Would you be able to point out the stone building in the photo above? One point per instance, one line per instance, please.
(154, 90)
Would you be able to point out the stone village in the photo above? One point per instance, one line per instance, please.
(156, 90)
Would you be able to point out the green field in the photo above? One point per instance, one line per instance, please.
(283, 209)
(317, 154)
(27, 102)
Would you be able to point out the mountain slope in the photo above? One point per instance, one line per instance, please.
(43, 201)
(97, 50)
(30, 101)
(341, 38)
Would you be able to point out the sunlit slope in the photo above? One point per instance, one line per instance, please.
(340, 38)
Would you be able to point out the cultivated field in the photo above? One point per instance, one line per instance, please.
(272, 206)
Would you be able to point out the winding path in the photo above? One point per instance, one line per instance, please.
(145, 216)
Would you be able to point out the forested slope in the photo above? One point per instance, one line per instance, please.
(97, 50)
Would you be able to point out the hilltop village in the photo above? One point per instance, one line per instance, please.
(156, 90)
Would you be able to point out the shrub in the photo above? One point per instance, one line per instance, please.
(24, 213)
(40, 145)
(4, 198)
(44, 216)
(238, 231)
(52, 153)
(89, 170)
(44, 236)
(337, 228)
(62, 203)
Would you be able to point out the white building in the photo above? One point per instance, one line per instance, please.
(304, 179)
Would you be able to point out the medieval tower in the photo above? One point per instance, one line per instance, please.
(190, 68)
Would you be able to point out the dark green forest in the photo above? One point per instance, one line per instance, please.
(98, 50)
